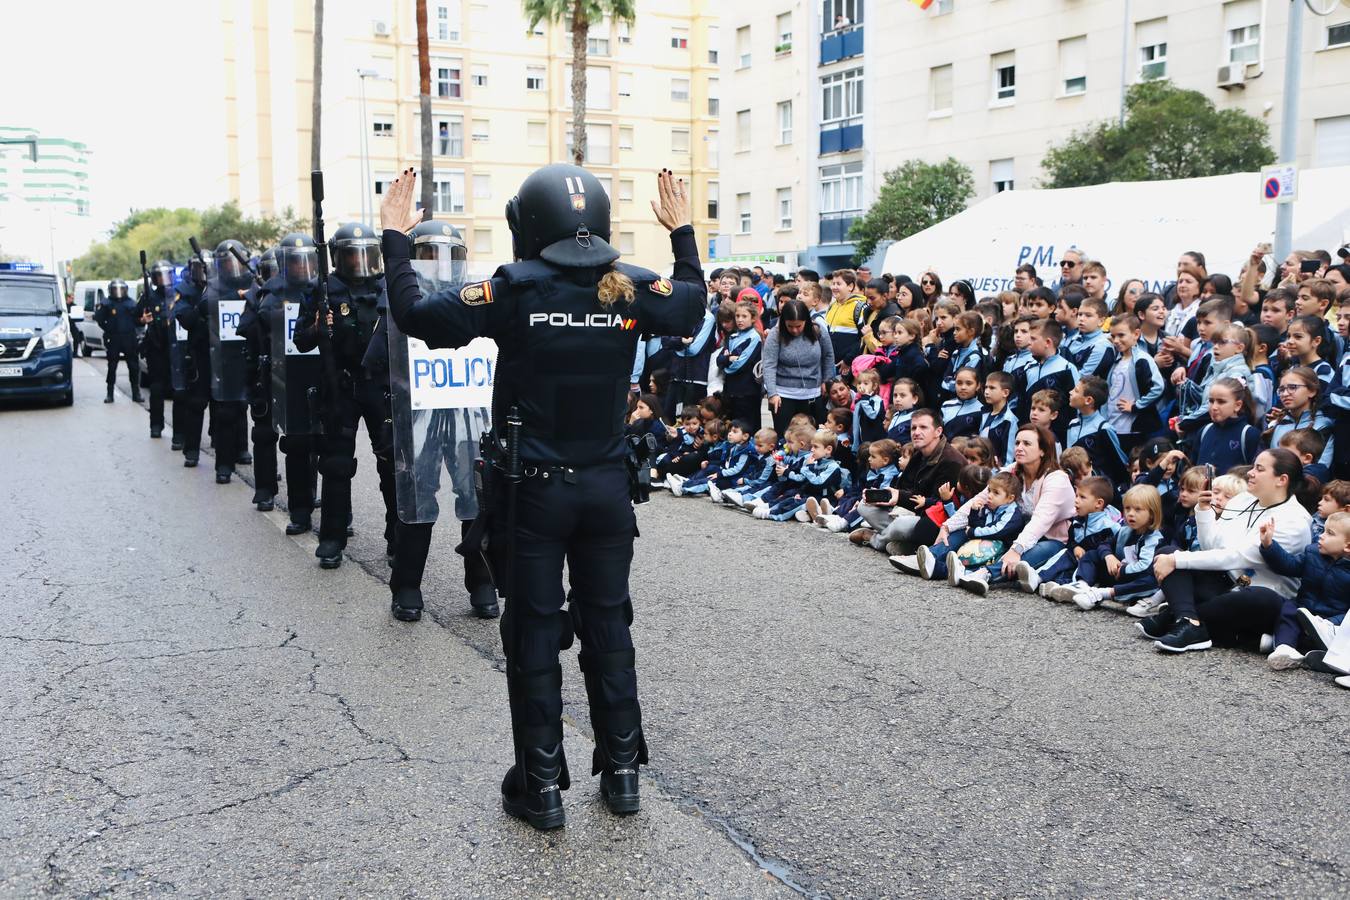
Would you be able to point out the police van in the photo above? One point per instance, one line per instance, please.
(36, 351)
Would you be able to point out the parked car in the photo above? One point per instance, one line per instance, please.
(36, 349)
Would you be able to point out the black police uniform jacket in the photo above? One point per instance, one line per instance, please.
(157, 337)
(190, 311)
(118, 318)
(563, 358)
(254, 328)
(356, 312)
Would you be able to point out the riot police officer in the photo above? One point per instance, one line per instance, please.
(223, 303)
(118, 319)
(254, 327)
(355, 302)
(191, 359)
(566, 319)
(158, 340)
(295, 376)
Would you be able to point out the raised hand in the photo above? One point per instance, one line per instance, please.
(672, 205)
(396, 209)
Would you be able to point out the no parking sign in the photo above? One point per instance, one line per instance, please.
(1279, 184)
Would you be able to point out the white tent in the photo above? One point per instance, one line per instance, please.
(1137, 229)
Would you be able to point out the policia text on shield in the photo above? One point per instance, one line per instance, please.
(554, 464)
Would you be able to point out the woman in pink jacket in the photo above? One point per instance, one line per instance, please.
(1047, 502)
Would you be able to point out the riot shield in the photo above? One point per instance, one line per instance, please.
(441, 403)
(229, 365)
(295, 375)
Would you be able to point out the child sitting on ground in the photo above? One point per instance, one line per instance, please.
(756, 474)
(817, 476)
(1324, 587)
(991, 529)
(1122, 570)
(714, 434)
(1225, 488)
(685, 450)
(726, 459)
(1077, 463)
(796, 450)
(882, 458)
(1095, 523)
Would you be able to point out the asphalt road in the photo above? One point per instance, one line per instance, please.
(193, 707)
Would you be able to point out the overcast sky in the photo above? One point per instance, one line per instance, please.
(125, 79)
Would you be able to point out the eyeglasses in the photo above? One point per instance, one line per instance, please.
(1290, 388)
(1067, 264)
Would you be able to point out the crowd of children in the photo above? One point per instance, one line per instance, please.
(1155, 407)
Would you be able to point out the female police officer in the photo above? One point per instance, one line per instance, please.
(566, 319)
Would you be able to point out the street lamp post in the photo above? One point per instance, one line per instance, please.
(367, 202)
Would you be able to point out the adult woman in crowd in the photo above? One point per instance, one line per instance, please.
(1151, 310)
(931, 287)
(1047, 501)
(797, 364)
(1226, 589)
(1130, 292)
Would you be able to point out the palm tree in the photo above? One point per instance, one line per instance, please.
(579, 15)
(317, 110)
(424, 104)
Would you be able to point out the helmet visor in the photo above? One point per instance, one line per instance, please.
(440, 262)
(359, 259)
(230, 268)
(117, 290)
(267, 268)
(162, 276)
(300, 265)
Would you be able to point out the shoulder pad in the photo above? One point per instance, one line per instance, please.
(526, 271)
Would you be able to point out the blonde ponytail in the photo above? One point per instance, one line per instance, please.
(613, 286)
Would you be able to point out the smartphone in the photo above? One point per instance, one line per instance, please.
(1309, 266)
(1208, 469)
(877, 495)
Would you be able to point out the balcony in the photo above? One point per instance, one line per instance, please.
(834, 226)
(837, 45)
(838, 137)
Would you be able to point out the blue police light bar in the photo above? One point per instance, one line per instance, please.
(20, 267)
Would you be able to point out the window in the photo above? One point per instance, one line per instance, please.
(837, 15)
(1001, 175)
(841, 96)
(679, 38)
(1331, 141)
(597, 40)
(625, 33)
(714, 147)
(480, 131)
(679, 90)
(1005, 76)
(625, 189)
(383, 126)
(743, 47)
(625, 137)
(713, 35)
(480, 73)
(598, 149)
(944, 7)
(784, 208)
(742, 130)
(841, 188)
(536, 133)
(1151, 38)
(679, 140)
(940, 89)
(1338, 35)
(534, 78)
(714, 190)
(607, 183)
(1073, 66)
(743, 213)
(627, 242)
(382, 181)
(449, 79)
(597, 87)
(450, 137)
(1242, 25)
(482, 240)
(714, 97)
(482, 187)
(448, 192)
(785, 122)
(784, 44)
(447, 25)
(625, 84)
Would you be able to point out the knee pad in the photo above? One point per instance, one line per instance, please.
(583, 612)
(337, 467)
(511, 620)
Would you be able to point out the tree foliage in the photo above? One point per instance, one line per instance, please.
(1168, 133)
(163, 234)
(913, 197)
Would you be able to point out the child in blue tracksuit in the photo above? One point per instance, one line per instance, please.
(882, 469)
(719, 455)
(989, 532)
(795, 451)
(869, 412)
(969, 353)
(1095, 524)
(740, 354)
(819, 475)
(1230, 439)
(998, 423)
(1092, 353)
(906, 397)
(755, 475)
(1091, 431)
(685, 450)
(961, 414)
(1324, 589)
(1122, 570)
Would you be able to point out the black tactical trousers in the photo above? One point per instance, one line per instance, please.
(410, 558)
(264, 445)
(157, 381)
(118, 347)
(299, 449)
(586, 519)
(368, 401)
(227, 423)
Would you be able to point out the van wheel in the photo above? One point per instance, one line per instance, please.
(86, 351)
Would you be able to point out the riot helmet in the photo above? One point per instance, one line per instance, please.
(561, 213)
(267, 265)
(356, 253)
(439, 257)
(161, 274)
(117, 289)
(298, 260)
(232, 270)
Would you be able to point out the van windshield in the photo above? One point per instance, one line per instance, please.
(28, 299)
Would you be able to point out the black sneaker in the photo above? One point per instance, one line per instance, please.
(189, 462)
(1183, 637)
(176, 444)
(1155, 627)
(294, 527)
(1316, 660)
(156, 432)
(329, 553)
(406, 604)
(483, 599)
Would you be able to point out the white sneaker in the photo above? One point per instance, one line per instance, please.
(956, 570)
(1343, 681)
(677, 488)
(1045, 588)
(907, 564)
(836, 524)
(761, 511)
(1267, 643)
(1147, 606)
(1087, 597)
(713, 493)
(1317, 628)
(927, 563)
(733, 497)
(1027, 577)
(1063, 593)
(827, 507)
(1284, 657)
(802, 515)
(975, 582)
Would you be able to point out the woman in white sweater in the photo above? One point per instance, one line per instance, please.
(1207, 589)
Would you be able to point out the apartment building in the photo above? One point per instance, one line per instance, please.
(58, 178)
(993, 83)
(501, 107)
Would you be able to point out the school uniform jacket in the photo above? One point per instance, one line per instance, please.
(1316, 420)
(1095, 529)
(898, 430)
(961, 418)
(818, 478)
(904, 362)
(1146, 546)
(690, 364)
(1223, 445)
(1055, 373)
(1003, 524)
(1147, 382)
(1095, 435)
(971, 356)
(739, 379)
(869, 420)
(1094, 355)
(1001, 430)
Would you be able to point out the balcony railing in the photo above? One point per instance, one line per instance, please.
(837, 45)
(838, 137)
(834, 226)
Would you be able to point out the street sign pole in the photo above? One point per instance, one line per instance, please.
(1293, 79)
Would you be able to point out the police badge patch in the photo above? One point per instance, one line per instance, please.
(345, 309)
(662, 286)
(476, 294)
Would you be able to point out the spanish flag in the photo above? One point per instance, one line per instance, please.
(922, 4)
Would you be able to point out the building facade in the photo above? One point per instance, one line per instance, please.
(501, 107)
(993, 83)
(59, 177)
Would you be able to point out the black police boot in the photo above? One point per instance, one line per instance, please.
(222, 477)
(299, 525)
(329, 553)
(176, 444)
(190, 462)
(266, 505)
(616, 761)
(539, 799)
(245, 459)
(156, 432)
(109, 398)
(483, 599)
(407, 604)
(135, 395)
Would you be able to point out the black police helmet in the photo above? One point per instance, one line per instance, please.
(561, 213)
(440, 246)
(356, 252)
(268, 264)
(117, 289)
(298, 259)
(161, 274)
(231, 269)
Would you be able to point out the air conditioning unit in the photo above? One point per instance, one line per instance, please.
(1232, 76)
(380, 27)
